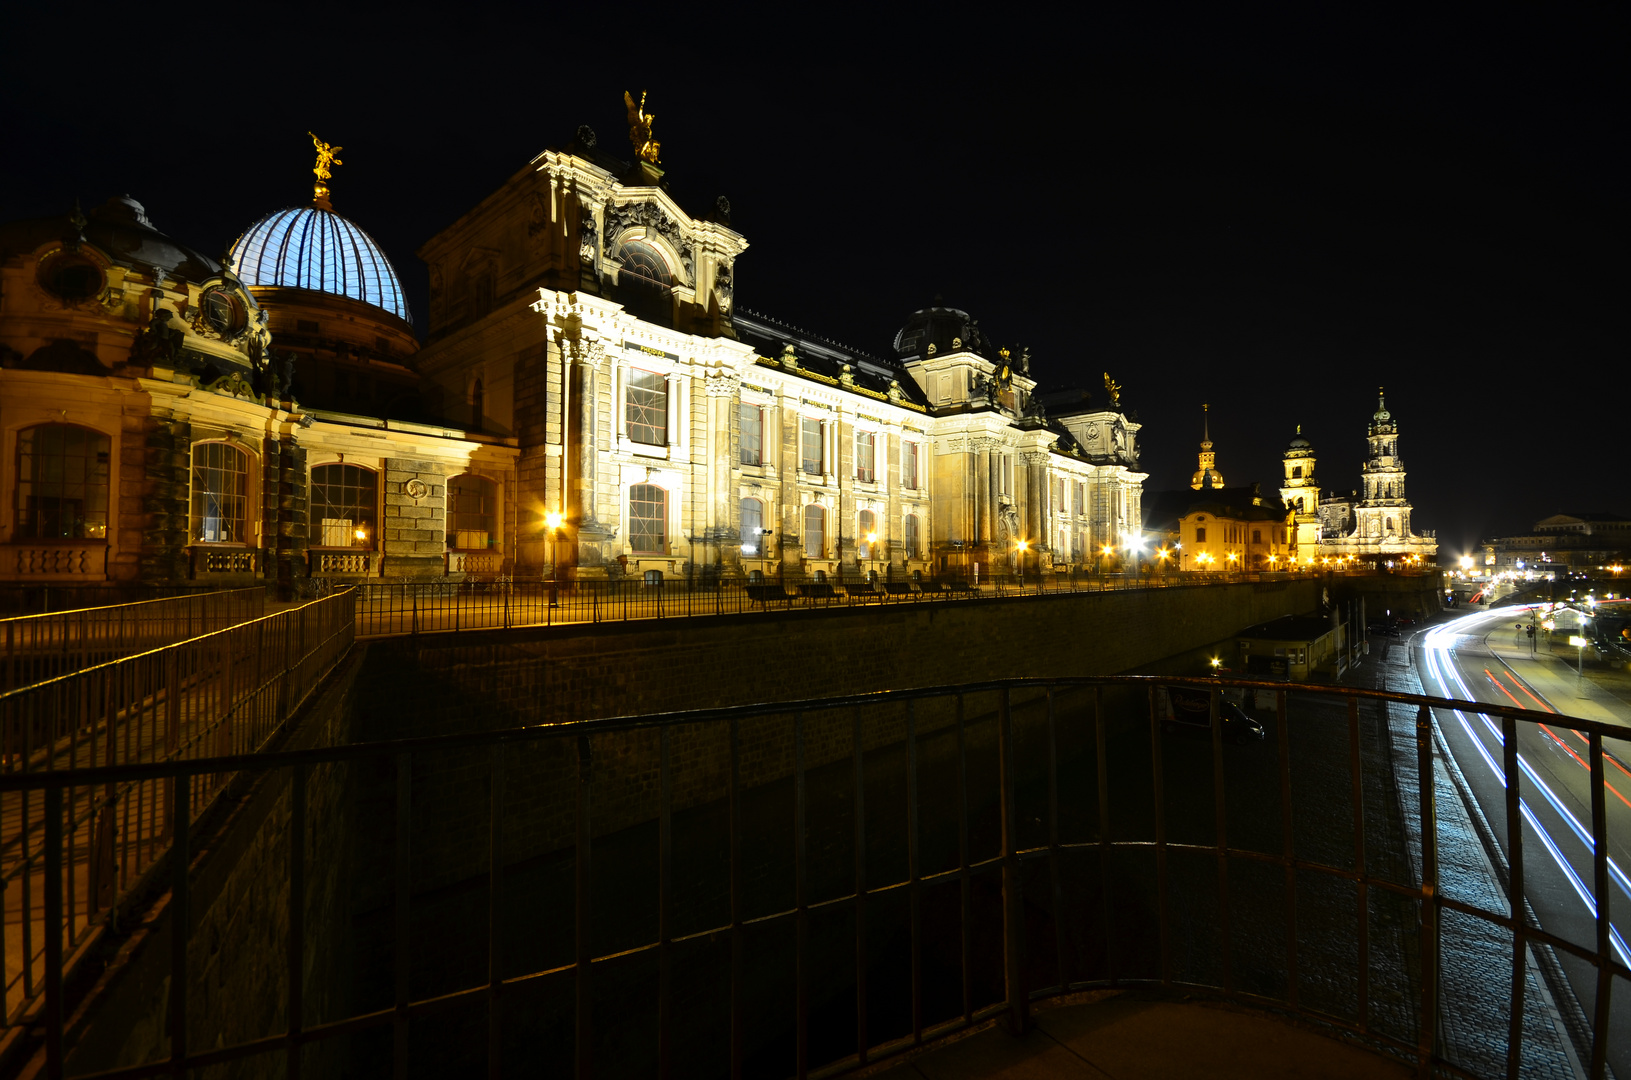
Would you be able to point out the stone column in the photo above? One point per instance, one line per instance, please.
(723, 527)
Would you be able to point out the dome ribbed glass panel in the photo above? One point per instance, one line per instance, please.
(311, 248)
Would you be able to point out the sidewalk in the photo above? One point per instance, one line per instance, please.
(1122, 1036)
(1560, 683)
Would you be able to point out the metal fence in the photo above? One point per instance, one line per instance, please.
(428, 607)
(40, 647)
(1021, 844)
(25, 598)
(218, 694)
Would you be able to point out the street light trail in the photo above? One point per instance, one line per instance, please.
(1433, 644)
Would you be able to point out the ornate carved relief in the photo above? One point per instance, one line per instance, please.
(722, 383)
(649, 214)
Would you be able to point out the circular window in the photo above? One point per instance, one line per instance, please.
(223, 312)
(70, 276)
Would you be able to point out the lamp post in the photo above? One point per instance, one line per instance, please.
(872, 550)
(1019, 547)
(552, 522)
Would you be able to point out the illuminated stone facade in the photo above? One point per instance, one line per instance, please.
(594, 321)
(1377, 526)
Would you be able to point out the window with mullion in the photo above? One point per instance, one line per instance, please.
(908, 466)
(648, 516)
(647, 408)
(343, 506)
(865, 447)
(220, 494)
(62, 483)
(909, 535)
(815, 530)
(751, 421)
(812, 446)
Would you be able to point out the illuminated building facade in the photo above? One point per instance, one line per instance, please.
(1377, 524)
(270, 416)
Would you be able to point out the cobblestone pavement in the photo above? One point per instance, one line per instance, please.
(1476, 956)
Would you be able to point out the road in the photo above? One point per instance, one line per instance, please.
(1486, 657)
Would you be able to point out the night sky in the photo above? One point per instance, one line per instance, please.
(1273, 213)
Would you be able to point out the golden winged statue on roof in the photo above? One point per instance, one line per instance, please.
(640, 121)
(326, 155)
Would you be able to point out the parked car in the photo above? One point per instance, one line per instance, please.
(1190, 709)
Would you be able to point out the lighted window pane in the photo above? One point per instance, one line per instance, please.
(648, 511)
(344, 499)
(220, 494)
(62, 483)
(647, 408)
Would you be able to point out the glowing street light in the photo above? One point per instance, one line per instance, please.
(1021, 546)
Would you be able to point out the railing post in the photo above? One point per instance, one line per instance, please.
(1605, 929)
(1429, 894)
(53, 933)
(404, 939)
(583, 952)
(180, 857)
(1013, 905)
(296, 957)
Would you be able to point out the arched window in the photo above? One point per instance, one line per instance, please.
(648, 516)
(344, 506)
(752, 527)
(220, 496)
(866, 522)
(62, 483)
(815, 531)
(472, 512)
(1296, 472)
(909, 540)
(645, 262)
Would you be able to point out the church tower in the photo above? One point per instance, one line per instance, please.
(1383, 514)
(1301, 494)
(1207, 475)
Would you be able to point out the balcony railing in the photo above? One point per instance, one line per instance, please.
(426, 607)
(38, 647)
(836, 881)
(220, 693)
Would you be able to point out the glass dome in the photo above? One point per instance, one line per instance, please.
(314, 248)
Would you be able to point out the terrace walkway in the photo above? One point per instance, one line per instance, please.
(1107, 1035)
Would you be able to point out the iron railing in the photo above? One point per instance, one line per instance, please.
(218, 694)
(934, 858)
(388, 608)
(40, 647)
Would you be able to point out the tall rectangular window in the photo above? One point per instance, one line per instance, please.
(812, 446)
(752, 527)
(908, 466)
(220, 494)
(866, 524)
(1200, 535)
(815, 531)
(909, 539)
(865, 448)
(648, 513)
(342, 502)
(751, 419)
(647, 408)
(62, 483)
(1077, 495)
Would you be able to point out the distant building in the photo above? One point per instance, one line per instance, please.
(1207, 475)
(1301, 496)
(1378, 525)
(1560, 544)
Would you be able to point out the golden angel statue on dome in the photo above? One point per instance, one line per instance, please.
(640, 121)
(326, 155)
(1113, 388)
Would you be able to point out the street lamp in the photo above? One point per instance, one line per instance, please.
(872, 550)
(1020, 546)
(1104, 553)
(552, 522)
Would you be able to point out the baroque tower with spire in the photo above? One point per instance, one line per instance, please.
(1382, 518)
(1301, 494)
(1207, 475)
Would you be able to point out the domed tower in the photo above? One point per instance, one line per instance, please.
(1207, 476)
(336, 302)
(1383, 513)
(1301, 493)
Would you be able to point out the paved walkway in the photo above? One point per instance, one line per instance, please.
(1559, 682)
(1121, 1036)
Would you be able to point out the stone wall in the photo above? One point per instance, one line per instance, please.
(239, 917)
(414, 527)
